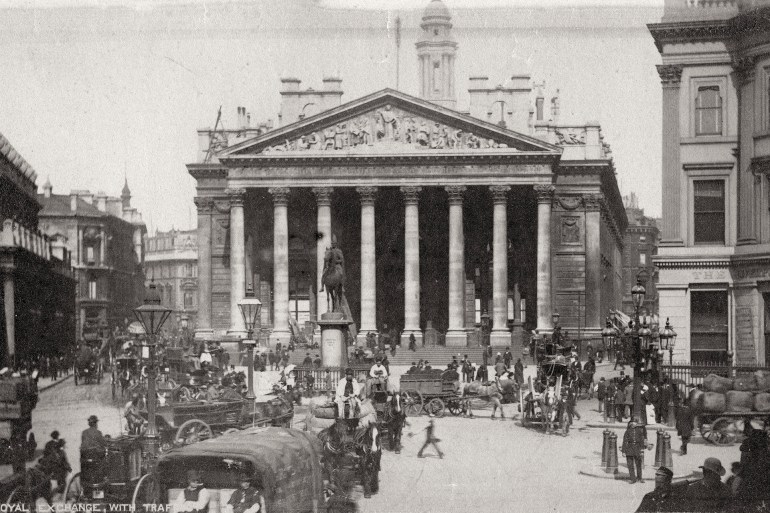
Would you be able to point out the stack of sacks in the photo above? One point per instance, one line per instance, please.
(743, 394)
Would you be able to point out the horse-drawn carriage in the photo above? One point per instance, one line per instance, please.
(124, 373)
(540, 403)
(88, 367)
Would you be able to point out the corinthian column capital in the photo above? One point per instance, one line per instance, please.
(323, 196)
(204, 204)
(280, 195)
(544, 193)
(368, 194)
(670, 74)
(236, 196)
(455, 193)
(499, 193)
(411, 194)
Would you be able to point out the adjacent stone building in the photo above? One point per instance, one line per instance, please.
(714, 254)
(640, 245)
(105, 237)
(441, 213)
(38, 294)
(171, 262)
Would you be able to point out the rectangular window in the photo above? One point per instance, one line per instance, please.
(90, 255)
(91, 289)
(708, 111)
(709, 211)
(708, 326)
(642, 259)
(188, 300)
(188, 270)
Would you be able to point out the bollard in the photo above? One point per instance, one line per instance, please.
(612, 454)
(605, 447)
(610, 407)
(671, 420)
(668, 462)
(659, 449)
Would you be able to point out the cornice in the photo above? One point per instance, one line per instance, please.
(206, 171)
(689, 32)
(476, 157)
(693, 264)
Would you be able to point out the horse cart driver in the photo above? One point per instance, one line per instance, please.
(348, 393)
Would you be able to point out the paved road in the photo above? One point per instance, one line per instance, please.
(495, 464)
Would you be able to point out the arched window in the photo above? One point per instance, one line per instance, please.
(708, 111)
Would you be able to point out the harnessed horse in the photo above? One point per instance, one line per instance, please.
(359, 451)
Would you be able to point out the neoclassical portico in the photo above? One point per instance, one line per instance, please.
(423, 200)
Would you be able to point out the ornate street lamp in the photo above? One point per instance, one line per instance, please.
(152, 314)
(667, 341)
(250, 307)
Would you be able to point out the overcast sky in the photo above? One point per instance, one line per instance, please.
(95, 89)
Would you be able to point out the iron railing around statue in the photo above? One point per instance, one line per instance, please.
(327, 381)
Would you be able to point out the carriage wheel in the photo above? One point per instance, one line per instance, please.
(192, 431)
(412, 403)
(73, 492)
(454, 406)
(436, 407)
(723, 431)
(147, 491)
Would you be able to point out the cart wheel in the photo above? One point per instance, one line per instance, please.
(723, 432)
(436, 407)
(73, 492)
(231, 430)
(192, 431)
(147, 491)
(412, 403)
(454, 406)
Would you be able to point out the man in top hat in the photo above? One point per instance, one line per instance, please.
(710, 493)
(195, 497)
(378, 370)
(662, 498)
(348, 391)
(246, 499)
(308, 361)
(93, 447)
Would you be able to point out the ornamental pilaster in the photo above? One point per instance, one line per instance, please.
(204, 204)
(670, 74)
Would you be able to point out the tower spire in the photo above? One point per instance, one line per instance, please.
(125, 195)
(436, 51)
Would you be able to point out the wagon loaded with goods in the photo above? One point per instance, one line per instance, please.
(725, 404)
(428, 391)
(18, 397)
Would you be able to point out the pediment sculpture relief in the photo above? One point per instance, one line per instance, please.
(570, 136)
(385, 126)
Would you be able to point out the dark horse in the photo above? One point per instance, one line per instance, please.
(354, 452)
(334, 278)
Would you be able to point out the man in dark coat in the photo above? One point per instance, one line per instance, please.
(634, 443)
(685, 418)
(518, 372)
(601, 392)
(589, 369)
(308, 361)
(507, 358)
(93, 448)
(665, 497)
(664, 399)
(710, 493)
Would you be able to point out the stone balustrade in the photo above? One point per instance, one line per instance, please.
(16, 235)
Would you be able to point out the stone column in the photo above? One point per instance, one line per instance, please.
(281, 332)
(205, 207)
(9, 300)
(237, 261)
(368, 264)
(324, 229)
(500, 335)
(544, 302)
(748, 215)
(411, 266)
(594, 268)
(671, 230)
(456, 335)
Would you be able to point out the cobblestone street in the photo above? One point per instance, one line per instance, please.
(497, 463)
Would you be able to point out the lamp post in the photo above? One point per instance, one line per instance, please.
(556, 337)
(667, 341)
(250, 307)
(609, 336)
(151, 314)
(640, 337)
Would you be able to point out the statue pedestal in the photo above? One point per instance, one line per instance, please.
(334, 350)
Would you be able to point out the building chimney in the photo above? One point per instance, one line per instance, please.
(47, 187)
(248, 120)
(73, 201)
(290, 101)
(88, 197)
(539, 101)
(101, 201)
(332, 84)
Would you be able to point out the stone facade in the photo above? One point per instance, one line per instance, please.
(425, 202)
(640, 245)
(105, 237)
(171, 262)
(715, 231)
(37, 299)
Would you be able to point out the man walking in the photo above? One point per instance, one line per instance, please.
(601, 390)
(518, 372)
(430, 439)
(684, 424)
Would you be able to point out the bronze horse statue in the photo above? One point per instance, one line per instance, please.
(333, 279)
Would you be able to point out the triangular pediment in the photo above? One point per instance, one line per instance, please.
(388, 122)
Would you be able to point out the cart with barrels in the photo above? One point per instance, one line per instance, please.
(429, 392)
